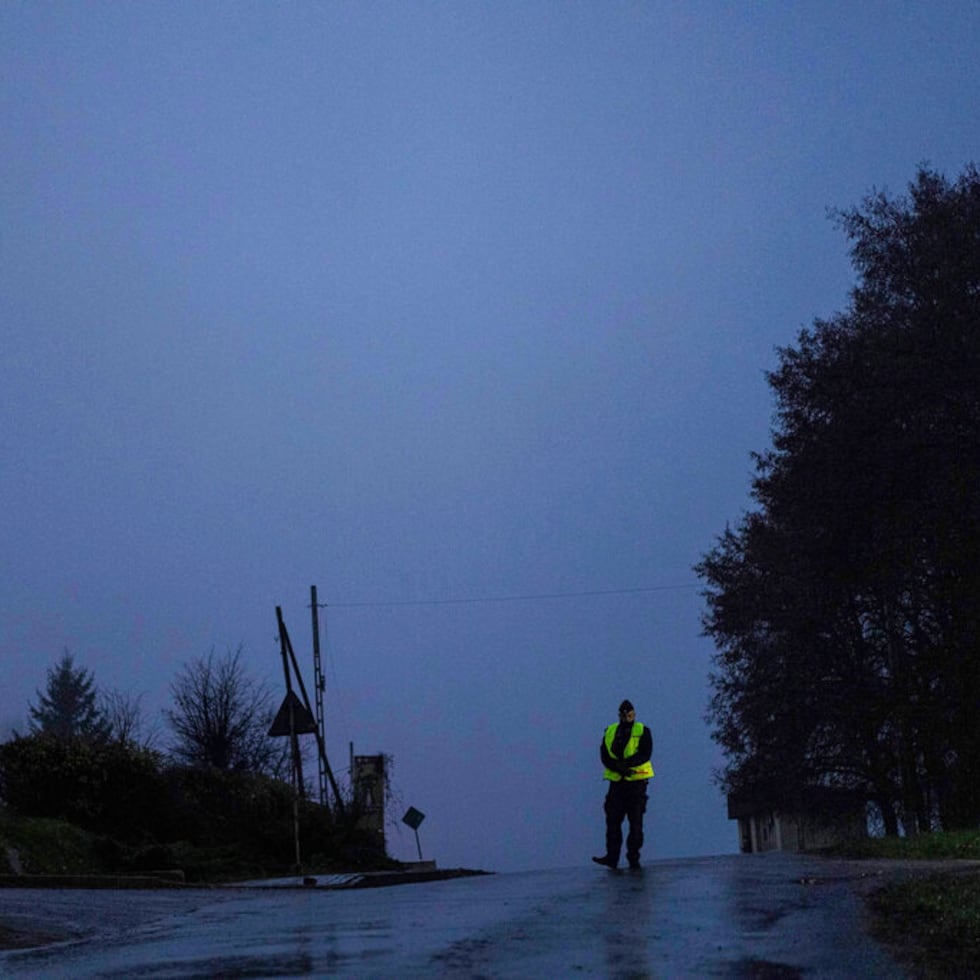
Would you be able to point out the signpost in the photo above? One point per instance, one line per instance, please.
(413, 818)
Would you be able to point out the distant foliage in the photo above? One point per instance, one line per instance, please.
(215, 805)
(845, 607)
(69, 708)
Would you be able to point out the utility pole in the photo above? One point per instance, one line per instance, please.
(318, 684)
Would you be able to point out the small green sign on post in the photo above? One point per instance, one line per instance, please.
(413, 818)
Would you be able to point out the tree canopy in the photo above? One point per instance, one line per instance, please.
(845, 606)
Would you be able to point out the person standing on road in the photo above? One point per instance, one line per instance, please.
(625, 751)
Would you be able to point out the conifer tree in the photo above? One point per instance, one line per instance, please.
(68, 708)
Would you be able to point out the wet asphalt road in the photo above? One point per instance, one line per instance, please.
(739, 916)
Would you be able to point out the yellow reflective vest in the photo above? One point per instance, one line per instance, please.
(644, 771)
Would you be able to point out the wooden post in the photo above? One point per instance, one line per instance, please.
(318, 686)
(296, 767)
(306, 701)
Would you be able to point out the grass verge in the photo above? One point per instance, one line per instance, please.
(43, 846)
(950, 844)
(931, 922)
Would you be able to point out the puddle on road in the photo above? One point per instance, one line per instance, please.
(752, 969)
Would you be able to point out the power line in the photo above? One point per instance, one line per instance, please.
(527, 597)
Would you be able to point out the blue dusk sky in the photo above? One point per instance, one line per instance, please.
(422, 302)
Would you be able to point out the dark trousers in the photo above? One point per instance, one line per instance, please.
(625, 799)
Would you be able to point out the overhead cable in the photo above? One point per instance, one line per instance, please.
(528, 597)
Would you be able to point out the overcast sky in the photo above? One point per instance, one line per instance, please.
(419, 302)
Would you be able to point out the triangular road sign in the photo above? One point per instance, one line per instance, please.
(303, 722)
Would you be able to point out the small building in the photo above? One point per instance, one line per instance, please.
(820, 817)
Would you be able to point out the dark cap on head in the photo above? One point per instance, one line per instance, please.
(626, 706)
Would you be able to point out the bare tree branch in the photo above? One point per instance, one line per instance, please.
(221, 717)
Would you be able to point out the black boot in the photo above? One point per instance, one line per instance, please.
(606, 861)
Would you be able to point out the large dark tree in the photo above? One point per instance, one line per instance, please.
(68, 707)
(220, 717)
(846, 606)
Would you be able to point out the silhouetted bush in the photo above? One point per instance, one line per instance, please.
(106, 787)
(213, 806)
(149, 814)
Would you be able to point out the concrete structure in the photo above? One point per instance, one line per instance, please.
(822, 818)
(368, 781)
